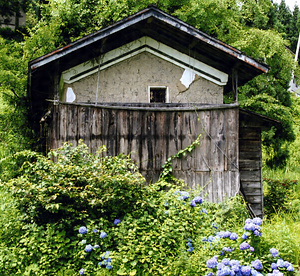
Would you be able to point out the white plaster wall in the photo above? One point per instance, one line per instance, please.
(128, 81)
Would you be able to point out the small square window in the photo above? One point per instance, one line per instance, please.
(158, 94)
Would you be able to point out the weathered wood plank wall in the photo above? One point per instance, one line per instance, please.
(152, 135)
(250, 167)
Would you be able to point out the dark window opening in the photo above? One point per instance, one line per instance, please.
(158, 94)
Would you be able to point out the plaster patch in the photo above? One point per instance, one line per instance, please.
(70, 97)
(187, 78)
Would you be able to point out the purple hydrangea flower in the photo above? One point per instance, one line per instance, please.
(81, 271)
(212, 263)
(224, 234)
(290, 268)
(244, 246)
(82, 230)
(225, 261)
(250, 226)
(257, 264)
(88, 248)
(193, 203)
(109, 266)
(198, 199)
(251, 249)
(234, 263)
(117, 221)
(280, 263)
(183, 195)
(274, 252)
(257, 221)
(233, 236)
(244, 236)
(103, 235)
(190, 249)
(286, 264)
(256, 233)
(273, 266)
(246, 270)
(248, 220)
(214, 225)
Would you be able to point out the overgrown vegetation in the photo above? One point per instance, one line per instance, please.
(92, 215)
(148, 229)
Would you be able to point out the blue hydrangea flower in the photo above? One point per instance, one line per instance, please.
(255, 273)
(117, 221)
(183, 195)
(233, 236)
(82, 230)
(246, 270)
(251, 249)
(193, 203)
(210, 274)
(81, 271)
(256, 233)
(190, 249)
(286, 264)
(250, 226)
(224, 234)
(96, 246)
(212, 263)
(105, 255)
(257, 264)
(198, 199)
(274, 252)
(244, 246)
(273, 266)
(88, 248)
(226, 261)
(103, 235)
(244, 236)
(83, 241)
(257, 221)
(290, 268)
(109, 266)
(214, 225)
(280, 263)
(234, 263)
(95, 231)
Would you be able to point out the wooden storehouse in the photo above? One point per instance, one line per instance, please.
(148, 85)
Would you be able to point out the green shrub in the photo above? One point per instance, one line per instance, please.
(76, 187)
(277, 195)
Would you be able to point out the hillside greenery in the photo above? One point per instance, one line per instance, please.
(157, 229)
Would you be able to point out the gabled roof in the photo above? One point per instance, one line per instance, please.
(156, 24)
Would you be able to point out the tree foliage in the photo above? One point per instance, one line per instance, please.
(259, 28)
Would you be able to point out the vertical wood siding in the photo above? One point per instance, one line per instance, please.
(151, 136)
(250, 167)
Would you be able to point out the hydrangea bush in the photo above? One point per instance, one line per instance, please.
(93, 215)
(179, 238)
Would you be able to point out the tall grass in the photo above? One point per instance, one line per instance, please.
(283, 232)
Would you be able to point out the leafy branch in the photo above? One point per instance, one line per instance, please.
(167, 166)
